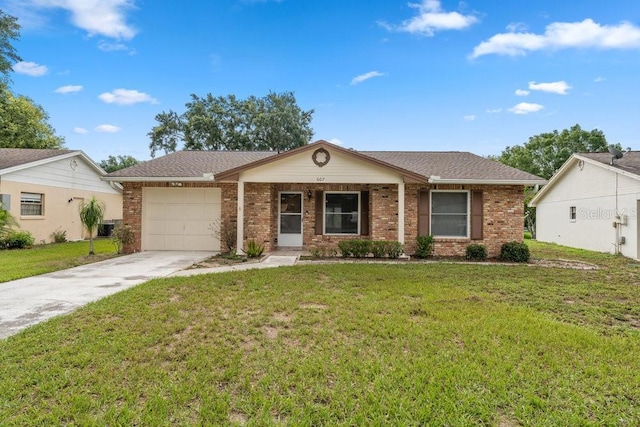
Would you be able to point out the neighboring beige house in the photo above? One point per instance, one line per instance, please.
(316, 195)
(43, 190)
(592, 202)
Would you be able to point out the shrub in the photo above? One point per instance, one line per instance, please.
(122, 235)
(425, 246)
(476, 252)
(254, 249)
(59, 235)
(356, 247)
(379, 248)
(16, 240)
(394, 249)
(515, 252)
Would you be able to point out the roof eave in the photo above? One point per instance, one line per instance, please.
(156, 179)
(525, 182)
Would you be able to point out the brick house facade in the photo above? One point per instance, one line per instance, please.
(390, 197)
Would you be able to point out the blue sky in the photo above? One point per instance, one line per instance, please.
(471, 76)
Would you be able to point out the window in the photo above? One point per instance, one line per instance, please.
(342, 213)
(450, 213)
(31, 204)
(572, 213)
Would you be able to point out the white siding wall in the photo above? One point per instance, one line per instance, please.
(592, 191)
(61, 174)
(340, 169)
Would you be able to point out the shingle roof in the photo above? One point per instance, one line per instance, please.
(445, 165)
(451, 165)
(630, 161)
(191, 164)
(11, 157)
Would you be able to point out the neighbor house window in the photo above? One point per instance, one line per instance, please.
(572, 213)
(31, 204)
(450, 213)
(341, 213)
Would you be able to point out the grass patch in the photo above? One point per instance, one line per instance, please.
(347, 344)
(41, 259)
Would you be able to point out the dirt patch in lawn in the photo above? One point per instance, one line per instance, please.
(222, 260)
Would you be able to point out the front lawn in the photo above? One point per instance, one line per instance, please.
(346, 344)
(40, 259)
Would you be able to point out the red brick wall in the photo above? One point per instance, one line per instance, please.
(503, 216)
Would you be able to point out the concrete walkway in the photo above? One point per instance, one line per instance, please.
(27, 301)
(270, 261)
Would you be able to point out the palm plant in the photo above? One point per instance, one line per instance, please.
(91, 214)
(7, 222)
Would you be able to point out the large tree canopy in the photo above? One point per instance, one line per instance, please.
(274, 123)
(24, 124)
(9, 31)
(114, 163)
(545, 153)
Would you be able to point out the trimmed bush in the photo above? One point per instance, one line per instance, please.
(356, 248)
(394, 249)
(425, 246)
(386, 248)
(122, 235)
(515, 252)
(476, 252)
(16, 240)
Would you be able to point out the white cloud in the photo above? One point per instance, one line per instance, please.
(115, 47)
(494, 111)
(30, 69)
(560, 87)
(104, 17)
(335, 141)
(69, 89)
(126, 97)
(366, 76)
(522, 92)
(431, 18)
(80, 131)
(107, 128)
(562, 35)
(470, 117)
(599, 79)
(526, 108)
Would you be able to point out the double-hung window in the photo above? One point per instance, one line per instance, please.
(342, 213)
(31, 204)
(450, 213)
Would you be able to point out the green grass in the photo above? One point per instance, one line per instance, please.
(40, 259)
(342, 344)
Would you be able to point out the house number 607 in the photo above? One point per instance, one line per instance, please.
(320, 178)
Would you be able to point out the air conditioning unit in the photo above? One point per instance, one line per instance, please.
(5, 200)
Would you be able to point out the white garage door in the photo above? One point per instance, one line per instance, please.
(180, 219)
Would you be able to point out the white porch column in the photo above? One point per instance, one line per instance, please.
(401, 212)
(240, 221)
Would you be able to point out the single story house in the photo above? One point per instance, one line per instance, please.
(43, 189)
(592, 203)
(316, 195)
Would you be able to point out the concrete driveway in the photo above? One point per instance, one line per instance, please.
(25, 302)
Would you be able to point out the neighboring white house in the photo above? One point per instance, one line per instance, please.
(43, 190)
(592, 203)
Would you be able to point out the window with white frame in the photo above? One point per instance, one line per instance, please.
(342, 213)
(31, 204)
(450, 213)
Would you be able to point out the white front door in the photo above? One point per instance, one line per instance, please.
(290, 220)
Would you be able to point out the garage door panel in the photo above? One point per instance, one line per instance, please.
(179, 218)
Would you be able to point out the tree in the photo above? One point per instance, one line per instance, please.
(91, 214)
(7, 221)
(9, 31)
(24, 124)
(114, 163)
(274, 122)
(545, 153)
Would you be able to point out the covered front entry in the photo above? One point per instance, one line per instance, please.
(180, 219)
(290, 219)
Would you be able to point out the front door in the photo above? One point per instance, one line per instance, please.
(290, 220)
